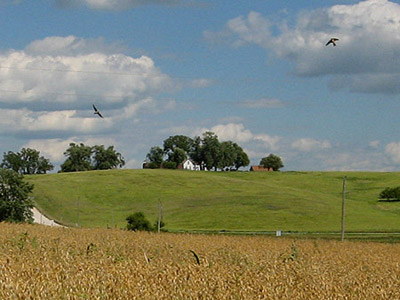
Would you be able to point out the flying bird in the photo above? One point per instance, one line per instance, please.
(97, 112)
(332, 41)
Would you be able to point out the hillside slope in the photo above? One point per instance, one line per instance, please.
(295, 201)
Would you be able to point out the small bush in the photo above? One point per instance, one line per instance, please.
(169, 165)
(390, 194)
(138, 222)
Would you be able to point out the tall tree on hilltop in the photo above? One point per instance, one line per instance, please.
(272, 161)
(27, 161)
(178, 141)
(155, 157)
(104, 159)
(78, 158)
(211, 150)
(241, 160)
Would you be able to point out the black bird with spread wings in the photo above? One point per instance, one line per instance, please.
(332, 41)
(97, 112)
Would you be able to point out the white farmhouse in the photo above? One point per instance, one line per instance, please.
(189, 165)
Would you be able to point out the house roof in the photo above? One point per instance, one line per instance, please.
(260, 169)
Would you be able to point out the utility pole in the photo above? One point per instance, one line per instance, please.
(343, 205)
(159, 216)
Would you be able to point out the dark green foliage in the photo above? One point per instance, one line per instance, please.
(242, 160)
(206, 151)
(155, 157)
(211, 150)
(15, 205)
(137, 221)
(178, 141)
(232, 156)
(84, 158)
(169, 165)
(105, 159)
(28, 161)
(272, 161)
(177, 156)
(78, 158)
(390, 194)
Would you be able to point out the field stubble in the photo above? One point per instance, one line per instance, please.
(38, 262)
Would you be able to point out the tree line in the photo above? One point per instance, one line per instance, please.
(15, 203)
(79, 158)
(206, 151)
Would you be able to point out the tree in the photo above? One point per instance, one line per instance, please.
(12, 161)
(104, 159)
(28, 161)
(272, 161)
(137, 221)
(242, 160)
(178, 141)
(177, 148)
(15, 205)
(155, 157)
(78, 158)
(228, 155)
(211, 150)
(196, 154)
(177, 156)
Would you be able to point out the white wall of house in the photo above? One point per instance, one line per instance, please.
(189, 165)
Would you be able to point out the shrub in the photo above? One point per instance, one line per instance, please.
(390, 194)
(169, 165)
(137, 221)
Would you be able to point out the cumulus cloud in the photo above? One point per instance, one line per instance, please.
(50, 86)
(232, 132)
(24, 120)
(120, 4)
(71, 45)
(393, 151)
(308, 144)
(28, 76)
(365, 59)
(236, 132)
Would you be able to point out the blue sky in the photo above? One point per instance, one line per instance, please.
(254, 72)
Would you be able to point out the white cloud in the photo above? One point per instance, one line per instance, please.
(71, 46)
(13, 120)
(365, 60)
(232, 132)
(79, 74)
(269, 142)
(393, 151)
(308, 144)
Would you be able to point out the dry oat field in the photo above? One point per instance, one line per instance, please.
(38, 262)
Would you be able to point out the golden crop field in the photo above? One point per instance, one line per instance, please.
(38, 262)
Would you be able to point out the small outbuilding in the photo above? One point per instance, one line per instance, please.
(260, 169)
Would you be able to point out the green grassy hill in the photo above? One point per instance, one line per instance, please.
(243, 201)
